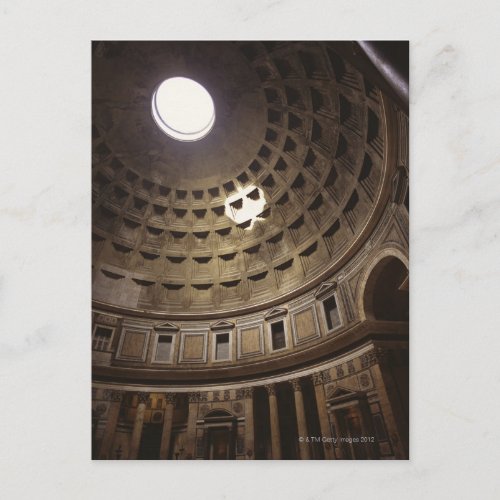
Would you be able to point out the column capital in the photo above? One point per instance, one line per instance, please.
(113, 395)
(143, 397)
(378, 355)
(296, 385)
(271, 389)
(170, 397)
(317, 378)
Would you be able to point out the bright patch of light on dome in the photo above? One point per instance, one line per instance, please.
(246, 205)
(183, 109)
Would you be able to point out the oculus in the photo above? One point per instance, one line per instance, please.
(183, 109)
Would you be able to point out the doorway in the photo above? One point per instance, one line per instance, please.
(219, 440)
(350, 433)
(220, 435)
(149, 448)
(352, 423)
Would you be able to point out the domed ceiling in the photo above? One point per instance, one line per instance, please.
(273, 199)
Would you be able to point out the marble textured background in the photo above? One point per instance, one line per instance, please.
(45, 247)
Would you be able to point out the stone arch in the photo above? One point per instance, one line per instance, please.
(219, 413)
(383, 292)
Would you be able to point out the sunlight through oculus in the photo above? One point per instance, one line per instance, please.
(246, 206)
(183, 109)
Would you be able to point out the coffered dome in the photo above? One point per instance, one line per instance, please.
(280, 193)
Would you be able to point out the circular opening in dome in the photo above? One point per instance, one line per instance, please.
(183, 109)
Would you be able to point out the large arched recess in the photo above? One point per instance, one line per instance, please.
(384, 288)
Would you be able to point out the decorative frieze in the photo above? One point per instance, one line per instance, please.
(197, 397)
(244, 393)
(350, 367)
(112, 395)
(364, 380)
(326, 376)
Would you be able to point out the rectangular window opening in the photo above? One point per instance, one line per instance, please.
(331, 313)
(222, 346)
(278, 335)
(102, 338)
(164, 348)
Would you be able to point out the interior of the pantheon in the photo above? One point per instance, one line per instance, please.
(250, 273)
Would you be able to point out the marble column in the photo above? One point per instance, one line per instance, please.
(364, 414)
(190, 445)
(249, 426)
(389, 403)
(305, 452)
(167, 425)
(115, 400)
(340, 433)
(135, 440)
(324, 421)
(275, 423)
